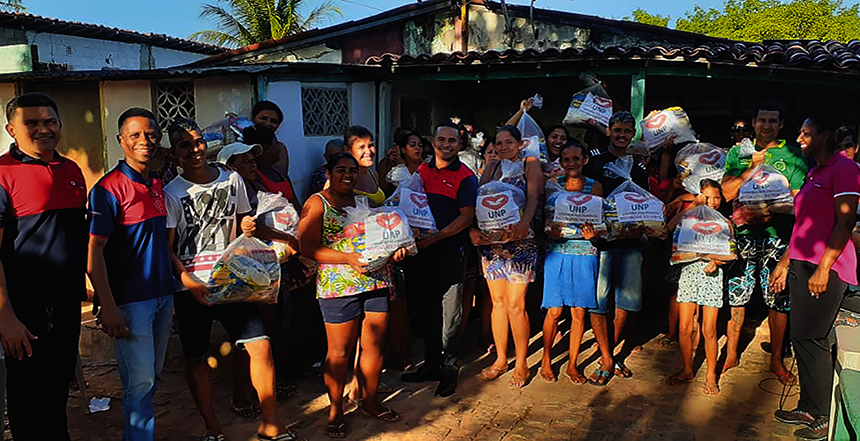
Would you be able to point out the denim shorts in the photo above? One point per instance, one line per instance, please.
(242, 321)
(346, 309)
(620, 274)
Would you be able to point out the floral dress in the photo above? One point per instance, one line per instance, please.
(340, 280)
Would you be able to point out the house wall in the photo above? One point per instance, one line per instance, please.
(215, 96)
(116, 97)
(312, 54)
(169, 57)
(358, 48)
(7, 92)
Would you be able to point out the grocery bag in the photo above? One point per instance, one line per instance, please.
(247, 271)
(499, 206)
(664, 124)
(277, 213)
(764, 193)
(699, 161)
(703, 233)
(398, 174)
(377, 233)
(632, 212)
(746, 148)
(591, 106)
(412, 200)
(568, 211)
(534, 143)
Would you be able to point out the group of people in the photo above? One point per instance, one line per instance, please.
(157, 223)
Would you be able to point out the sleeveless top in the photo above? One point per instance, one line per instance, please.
(282, 187)
(340, 280)
(377, 198)
(573, 247)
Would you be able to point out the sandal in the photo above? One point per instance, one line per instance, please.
(219, 437)
(249, 411)
(621, 370)
(580, 380)
(387, 415)
(678, 380)
(491, 373)
(547, 375)
(600, 377)
(518, 382)
(666, 342)
(286, 436)
(336, 430)
(711, 389)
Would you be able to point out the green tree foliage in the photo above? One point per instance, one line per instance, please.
(642, 16)
(245, 22)
(12, 6)
(758, 20)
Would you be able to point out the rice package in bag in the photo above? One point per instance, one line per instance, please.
(499, 206)
(277, 213)
(630, 211)
(412, 200)
(660, 126)
(568, 211)
(377, 233)
(764, 193)
(590, 106)
(534, 143)
(247, 271)
(703, 233)
(699, 161)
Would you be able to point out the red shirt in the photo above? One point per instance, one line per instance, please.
(816, 215)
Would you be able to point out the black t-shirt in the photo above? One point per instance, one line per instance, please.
(596, 169)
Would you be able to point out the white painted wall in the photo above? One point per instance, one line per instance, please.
(116, 97)
(85, 53)
(7, 92)
(288, 96)
(169, 57)
(214, 97)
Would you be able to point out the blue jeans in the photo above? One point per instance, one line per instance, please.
(140, 358)
(620, 275)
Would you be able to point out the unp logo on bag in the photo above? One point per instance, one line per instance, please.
(496, 211)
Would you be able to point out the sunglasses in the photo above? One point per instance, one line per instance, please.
(739, 128)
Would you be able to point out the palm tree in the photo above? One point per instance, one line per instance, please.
(245, 22)
(12, 5)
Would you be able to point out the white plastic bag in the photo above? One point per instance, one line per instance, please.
(699, 161)
(631, 211)
(277, 213)
(500, 205)
(567, 212)
(661, 125)
(703, 233)
(766, 192)
(746, 148)
(398, 174)
(591, 106)
(247, 271)
(411, 198)
(377, 233)
(534, 143)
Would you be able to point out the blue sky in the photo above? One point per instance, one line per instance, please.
(179, 18)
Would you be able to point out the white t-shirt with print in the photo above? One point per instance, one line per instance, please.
(204, 216)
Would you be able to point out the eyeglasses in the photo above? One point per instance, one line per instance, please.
(739, 128)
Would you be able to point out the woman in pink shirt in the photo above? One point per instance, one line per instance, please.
(822, 264)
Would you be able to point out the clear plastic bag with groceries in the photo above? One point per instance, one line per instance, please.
(591, 106)
(500, 205)
(276, 212)
(411, 198)
(534, 142)
(703, 233)
(766, 192)
(630, 211)
(568, 211)
(248, 271)
(699, 161)
(377, 233)
(662, 125)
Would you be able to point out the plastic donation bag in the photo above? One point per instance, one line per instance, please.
(247, 271)
(699, 161)
(500, 205)
(377, 233)
(534, 143)
(277, 213)
(765, 192)
(412, 200)
(703, 233)
(661, 125)
(632, 212)
(591, 106)
(567, 211)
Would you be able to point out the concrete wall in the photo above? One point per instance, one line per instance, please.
(487, 32)
(116, 97)
(169, 57)
(213, 97)
(7, 92)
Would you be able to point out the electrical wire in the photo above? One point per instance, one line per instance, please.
(362, 4)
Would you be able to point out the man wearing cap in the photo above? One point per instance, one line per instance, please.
(241, 158)
(129, 267)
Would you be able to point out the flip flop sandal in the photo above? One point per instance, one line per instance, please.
(600, 375)
(286, 436)
(573, 381)
(621, 370)
(337, 431)
(518, 382)
(245, 412)
(547, 376)
(213, 438)
(665, 342)
(711, 389)
(676, 380)
(387, 415)
(490, 374)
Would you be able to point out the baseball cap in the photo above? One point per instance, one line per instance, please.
(238, 148)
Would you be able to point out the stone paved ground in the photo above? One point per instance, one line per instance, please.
(639, 408)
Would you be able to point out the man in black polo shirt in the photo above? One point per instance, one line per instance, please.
(43, 260)
(451, 193)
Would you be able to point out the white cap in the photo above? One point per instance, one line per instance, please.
(237, 148)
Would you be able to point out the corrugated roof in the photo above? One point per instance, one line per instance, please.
(37, 23)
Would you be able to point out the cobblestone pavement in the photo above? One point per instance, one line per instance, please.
(639, 408)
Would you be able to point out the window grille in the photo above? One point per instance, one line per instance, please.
(325, 110)
(174, 99)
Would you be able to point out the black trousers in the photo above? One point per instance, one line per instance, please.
(37, 387)
(812, 335)
(440, 306)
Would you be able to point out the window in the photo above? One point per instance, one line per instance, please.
(325, 110)
(174, 99)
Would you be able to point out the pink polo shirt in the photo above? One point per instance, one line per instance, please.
(816, 215)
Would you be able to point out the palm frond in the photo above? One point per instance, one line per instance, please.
(12, 5)
(215, 37)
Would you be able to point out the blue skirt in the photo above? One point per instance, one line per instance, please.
(570, 280)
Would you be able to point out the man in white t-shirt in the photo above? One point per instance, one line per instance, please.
(205, 207)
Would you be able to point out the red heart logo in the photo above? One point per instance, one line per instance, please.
(579, 198)
(420, 200)
(603, 102)
(635, 198)
(388, 221)
(761, 177)
(710, 158)
(353, 230)
(656, 122)
(707, 228)
(495, 202)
